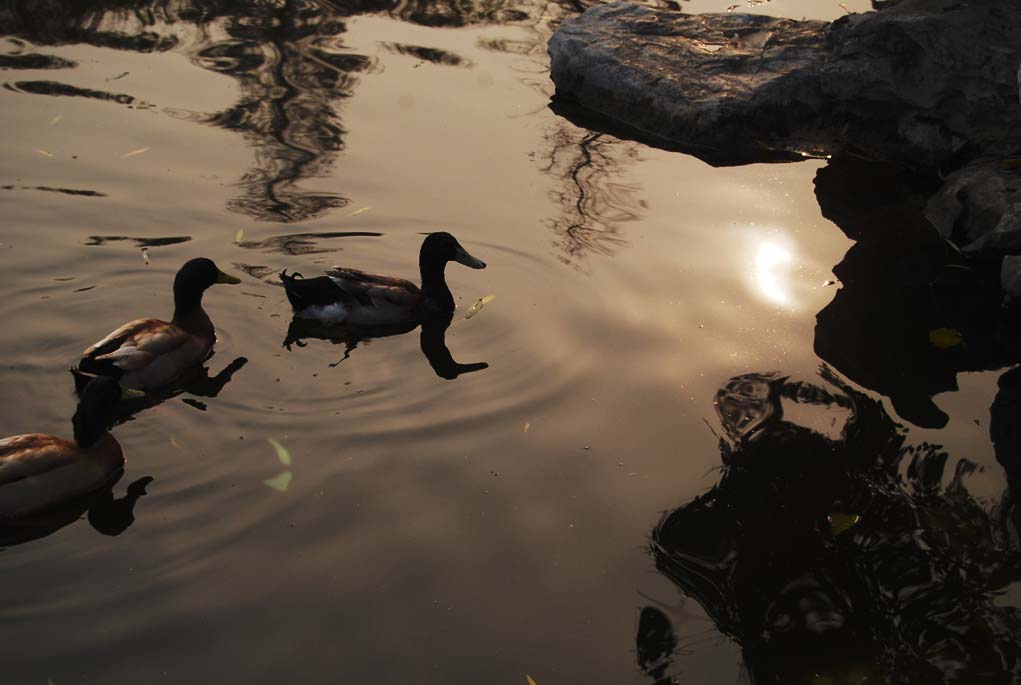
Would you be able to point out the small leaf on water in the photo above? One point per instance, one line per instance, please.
(282, 454)
(530, 681)
(280, 482)
(945, 338)
(43, 152)
(482, 302)
(134, 152)
(145, 255)
(239, 235)
(840, 521)
(359, 211)
(55, 119)
(828, 283)
(527, 426)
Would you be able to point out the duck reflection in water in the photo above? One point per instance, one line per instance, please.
(432, 340)
(843, 557)
(106, 514)
(194, 381)
(349, 305)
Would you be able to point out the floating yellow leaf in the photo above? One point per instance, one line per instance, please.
(359, 211)
(282, 454)
(280, 482)
(840, 521)
(530, 681)
(945, 338)
(527, 426)
(43, 152)
(134, 152)
(482, 302)
(239, 235)
(55, 119)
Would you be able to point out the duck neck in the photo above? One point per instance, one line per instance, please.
(434, 285)
(87, 429)
(188, 306)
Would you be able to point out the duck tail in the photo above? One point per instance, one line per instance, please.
(290, 287)
(287, 279)
(81, 379)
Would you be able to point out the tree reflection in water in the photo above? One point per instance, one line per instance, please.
(593, 204)
(844, 558)
(289, 61)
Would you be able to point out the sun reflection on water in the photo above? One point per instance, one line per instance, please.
(771, 274)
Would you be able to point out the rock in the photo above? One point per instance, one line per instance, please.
(1010, 278)
(726, 87)
(929, 83)
(978, 208)
(970, 203)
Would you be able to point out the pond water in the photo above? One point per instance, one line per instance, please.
(556, 510)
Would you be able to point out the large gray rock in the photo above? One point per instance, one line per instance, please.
(978, 208)
(925, 82)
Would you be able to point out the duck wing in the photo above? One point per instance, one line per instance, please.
(41, 471)
(374, 290)
(133, 346)
(24, 456)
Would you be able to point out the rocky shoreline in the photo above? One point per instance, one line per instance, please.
(930, 85)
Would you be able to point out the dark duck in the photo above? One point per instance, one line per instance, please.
(355, 298)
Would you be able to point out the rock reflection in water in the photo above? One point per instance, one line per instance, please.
(847, 558)
(432, 340)
(900, 282)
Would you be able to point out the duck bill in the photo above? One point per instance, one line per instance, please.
(227, 279)
(462, 257)
(131, 394)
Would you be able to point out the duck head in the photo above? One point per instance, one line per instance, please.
(193, 279)
(440, 248)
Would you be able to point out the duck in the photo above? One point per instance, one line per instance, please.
(356, 298)
(148, 354)
(39, 471)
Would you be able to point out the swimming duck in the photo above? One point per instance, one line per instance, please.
(357, 298)
(146, 354)
(40, 471)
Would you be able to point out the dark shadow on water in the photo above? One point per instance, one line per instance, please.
(836, 551)
(106, 514)
(600, 123)
(304, 243)
(137, 242)
(432, 340)
(431, 55)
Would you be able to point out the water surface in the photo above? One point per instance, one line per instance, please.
(544, 515)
